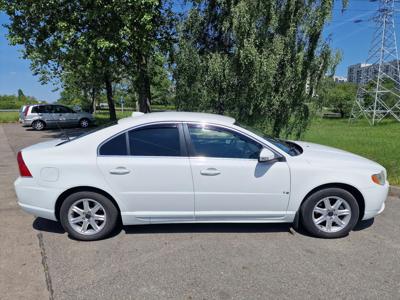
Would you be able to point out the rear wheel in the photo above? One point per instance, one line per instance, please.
(84, 123)
(330, 213)
(38, 125)
(88, 216)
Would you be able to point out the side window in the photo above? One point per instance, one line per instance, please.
(47, 109)
(60, 109)
(115, 146)
(212, 141)
(155, 140)
(42, 109)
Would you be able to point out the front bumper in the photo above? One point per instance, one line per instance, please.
(36, 200)
(375, 198)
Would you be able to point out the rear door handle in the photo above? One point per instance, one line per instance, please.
(120, 171)
(210, 172)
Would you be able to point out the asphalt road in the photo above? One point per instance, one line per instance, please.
(204, 261)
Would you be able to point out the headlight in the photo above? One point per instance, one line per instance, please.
(379, 178)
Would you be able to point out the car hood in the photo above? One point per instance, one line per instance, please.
(320, 154)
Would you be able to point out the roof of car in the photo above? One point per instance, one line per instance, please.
(180, 116)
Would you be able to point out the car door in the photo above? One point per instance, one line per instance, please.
(229, 182)
(149, 170)
(45, 113)
(61, 115)
(72, 118)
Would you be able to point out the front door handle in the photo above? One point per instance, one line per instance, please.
(120, 171)
(210, 172)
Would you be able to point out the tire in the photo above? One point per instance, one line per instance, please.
(38, 125)
(84, 123)
(80, 222)
(330, 207)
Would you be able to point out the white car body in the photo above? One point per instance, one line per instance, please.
(161, 189)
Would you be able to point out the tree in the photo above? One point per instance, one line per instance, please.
(21, 96)
(339, 97)
(99, 41)
(259, 61)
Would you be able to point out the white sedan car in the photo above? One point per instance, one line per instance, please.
(177, 167)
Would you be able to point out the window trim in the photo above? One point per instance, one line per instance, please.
(190, 146)
(182, 144)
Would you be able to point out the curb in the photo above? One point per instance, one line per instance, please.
(394, 191)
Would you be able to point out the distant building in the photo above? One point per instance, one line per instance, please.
(339, 79)
(363, 73)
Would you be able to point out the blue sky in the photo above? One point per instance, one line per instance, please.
(353, 39)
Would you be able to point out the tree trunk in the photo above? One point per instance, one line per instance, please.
(143, 85)
(110, 100)
(93, 101)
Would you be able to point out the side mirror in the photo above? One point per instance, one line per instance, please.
(266, 155)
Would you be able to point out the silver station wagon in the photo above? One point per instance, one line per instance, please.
(41, 116)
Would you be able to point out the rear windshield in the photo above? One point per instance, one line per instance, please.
(85, 133)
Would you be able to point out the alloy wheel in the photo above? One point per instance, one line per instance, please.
(87, 216)
(331, 214)
(84, 123)
(39, 125)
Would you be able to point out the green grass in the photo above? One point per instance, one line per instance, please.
(103, 117)
(380, 143)
(9, 116)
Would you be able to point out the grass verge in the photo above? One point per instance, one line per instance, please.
(9, 116)
(380, 143)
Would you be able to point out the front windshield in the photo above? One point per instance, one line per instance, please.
(287, 146)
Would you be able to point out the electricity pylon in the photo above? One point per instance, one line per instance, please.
(378, 94)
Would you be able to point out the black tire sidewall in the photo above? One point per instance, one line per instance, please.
(309, 204)
(111, 212)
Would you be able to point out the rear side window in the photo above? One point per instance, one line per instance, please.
(115, 146)
(35, 109)
(155, 140)
(42, 109)
(61, 109)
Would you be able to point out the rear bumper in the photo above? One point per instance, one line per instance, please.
(26, 123)
(36, 200)
(38, 211)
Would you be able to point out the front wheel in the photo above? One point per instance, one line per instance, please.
(88, 216)
(330, 213)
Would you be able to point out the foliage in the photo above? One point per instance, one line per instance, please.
(388, 97)
(90, 45)
(15, 102)
(338, 97)
(259, 61)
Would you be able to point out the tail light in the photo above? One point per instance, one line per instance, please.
(23, 169)
(26, 110)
